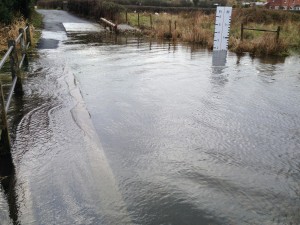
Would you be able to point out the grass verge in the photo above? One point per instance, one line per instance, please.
(36, 21)
(198, 28)
(11, 32)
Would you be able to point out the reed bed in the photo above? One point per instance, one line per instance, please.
(198, 28)
(10, 32)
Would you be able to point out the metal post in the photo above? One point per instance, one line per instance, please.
(5, 139)
(242, 32)
(175, 25)
(14, 66)
(277, 33)
(28, 34)
(126, 17)
(151, 21)
(170, 27)
(138, 19)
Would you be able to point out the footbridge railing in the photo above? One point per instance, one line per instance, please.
(17, 55)
(111, 25)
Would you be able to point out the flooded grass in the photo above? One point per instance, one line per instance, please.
(198, 28)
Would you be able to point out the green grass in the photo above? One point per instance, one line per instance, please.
(36, 21)
(144, 19)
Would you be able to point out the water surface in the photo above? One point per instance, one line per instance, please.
(191, 143)
(117, 130)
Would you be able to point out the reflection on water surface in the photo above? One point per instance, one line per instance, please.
(181, 141)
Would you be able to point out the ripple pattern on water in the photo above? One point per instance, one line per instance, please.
(220, 143)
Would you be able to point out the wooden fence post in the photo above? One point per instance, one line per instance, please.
(242, 32)
(175, 25)
(170, 27)
(28, 34)
(5, 139)
(151, 21)
(23, 45)
(14, 66)
(277, 33)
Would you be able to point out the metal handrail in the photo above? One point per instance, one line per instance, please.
(19, 38)
(11, 91)
(7, 54)
(16, 86)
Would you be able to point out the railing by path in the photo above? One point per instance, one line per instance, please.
(13, 52)
(111, 25)
(263, 30)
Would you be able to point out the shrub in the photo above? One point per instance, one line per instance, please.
(6, 8)
(93, 9)
(96, 8)
(52, 4)
(9, 8)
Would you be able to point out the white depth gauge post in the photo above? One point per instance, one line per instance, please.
(222, 27)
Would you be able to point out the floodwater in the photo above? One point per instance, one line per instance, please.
(115, 130)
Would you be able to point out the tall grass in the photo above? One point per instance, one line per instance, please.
(198, 27)
(10, 32)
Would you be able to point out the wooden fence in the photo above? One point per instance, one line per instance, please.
(262, 30)
(13, 53)
(108, 23)
(138, 19)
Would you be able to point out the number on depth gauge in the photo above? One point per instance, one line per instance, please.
(222, 27)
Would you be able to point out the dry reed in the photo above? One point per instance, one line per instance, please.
(10, 32)
(198, 28)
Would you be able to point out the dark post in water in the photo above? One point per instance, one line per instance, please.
(14, 66)
(5, 139)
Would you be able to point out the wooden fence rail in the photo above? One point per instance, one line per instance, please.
(142, 17)
(139, 16)
(262, 30)
(24, 41)
(111, 25)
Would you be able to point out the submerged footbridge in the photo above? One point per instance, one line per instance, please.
(61, 174)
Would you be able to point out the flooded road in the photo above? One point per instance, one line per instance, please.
(117, 130)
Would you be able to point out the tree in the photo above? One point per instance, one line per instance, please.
(24, 7)
(8, 8)
(195, 2)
